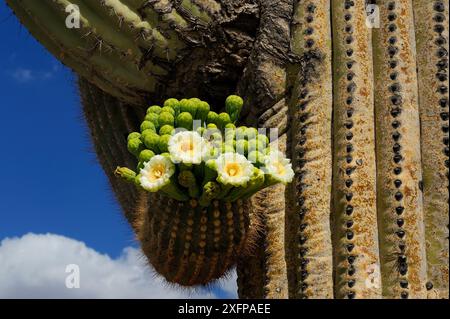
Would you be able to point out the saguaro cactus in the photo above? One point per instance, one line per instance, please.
(361, 109)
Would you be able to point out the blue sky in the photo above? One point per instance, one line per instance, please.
(50, 179)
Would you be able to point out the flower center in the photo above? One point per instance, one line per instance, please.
(157, 171)
(187, 146)
(233, 169)
(280, 168)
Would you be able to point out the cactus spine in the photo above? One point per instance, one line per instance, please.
(366, 132)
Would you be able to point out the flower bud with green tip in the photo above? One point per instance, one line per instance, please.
(212, 117)
(233, 106)
(147, 125)
(256, 158)
(166, 118)
(203, 109)
(151, 141)
(168, 109)
(146, 155)
(175, 104)
(125, 173)
(241, 133)
(256, 145)
(201, 130)
(222, 120)
(210, 191)
(133, 135)
(163, 144)
(152, 117)
(242, 147)
(154, 109)
(187, 179)
(227, 148)
(135, 146)
(230, 126)
(167, 130)
(188, 106)
(184, 120)
(251, 133)
(210, 172)
(263, 139)
(212, 126)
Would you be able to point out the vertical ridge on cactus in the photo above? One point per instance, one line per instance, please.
(400, 206)
(431, 24)
(308, 241)
(354, 217)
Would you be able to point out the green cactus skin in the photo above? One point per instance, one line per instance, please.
(435, 173)
(190, 244)
(401, 230)
(354, 215)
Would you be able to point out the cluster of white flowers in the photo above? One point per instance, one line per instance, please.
(232, 168)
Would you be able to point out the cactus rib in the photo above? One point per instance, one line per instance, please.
(400, 209)
(431, 24)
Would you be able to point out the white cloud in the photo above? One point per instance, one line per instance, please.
(23, 75)
(33, 266)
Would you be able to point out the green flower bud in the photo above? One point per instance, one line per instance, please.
(154, 109)
(211, 126)
(146, 155)
(135, 146)
(264, 139)
(201, 130)
(168, 109)
(166, 118)
(125, 173)
(257, 158)
(175, 104)
(147, 125)
(223, 120)
(241, 133)
(227, 148)
(233, 106)
(212, 117)
(187, 179)
(230, 126)
(203, 109)
(242, 147)
(133, 135)
(166, 130)
(210, 191)
(151, 141)
(251, 133)
(152, 117)
(164, 143)
(188, 106)
(256, 145)
(184, 120)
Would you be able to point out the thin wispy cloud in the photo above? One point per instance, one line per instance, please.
(34, 266)
(27, 75)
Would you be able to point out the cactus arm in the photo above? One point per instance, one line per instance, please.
(354, 206)
(432, 75)
(308, 236)
(400, 208)
(262, 86)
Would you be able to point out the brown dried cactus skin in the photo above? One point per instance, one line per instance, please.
(399, 198)
(308, 234)
(431, 24)
(354, 217)
(189, 244)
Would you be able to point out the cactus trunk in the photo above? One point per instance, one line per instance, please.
(362, 112)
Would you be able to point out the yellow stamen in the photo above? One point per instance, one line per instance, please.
(280, 168)
(233, 169)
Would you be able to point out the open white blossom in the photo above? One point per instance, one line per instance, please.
(233, 169)
(187, 147)
(156, 173)
(278, 167)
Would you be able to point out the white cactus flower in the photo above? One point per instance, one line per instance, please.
(278, 167)
(156, 173)
(187, 147)
(233, 169)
